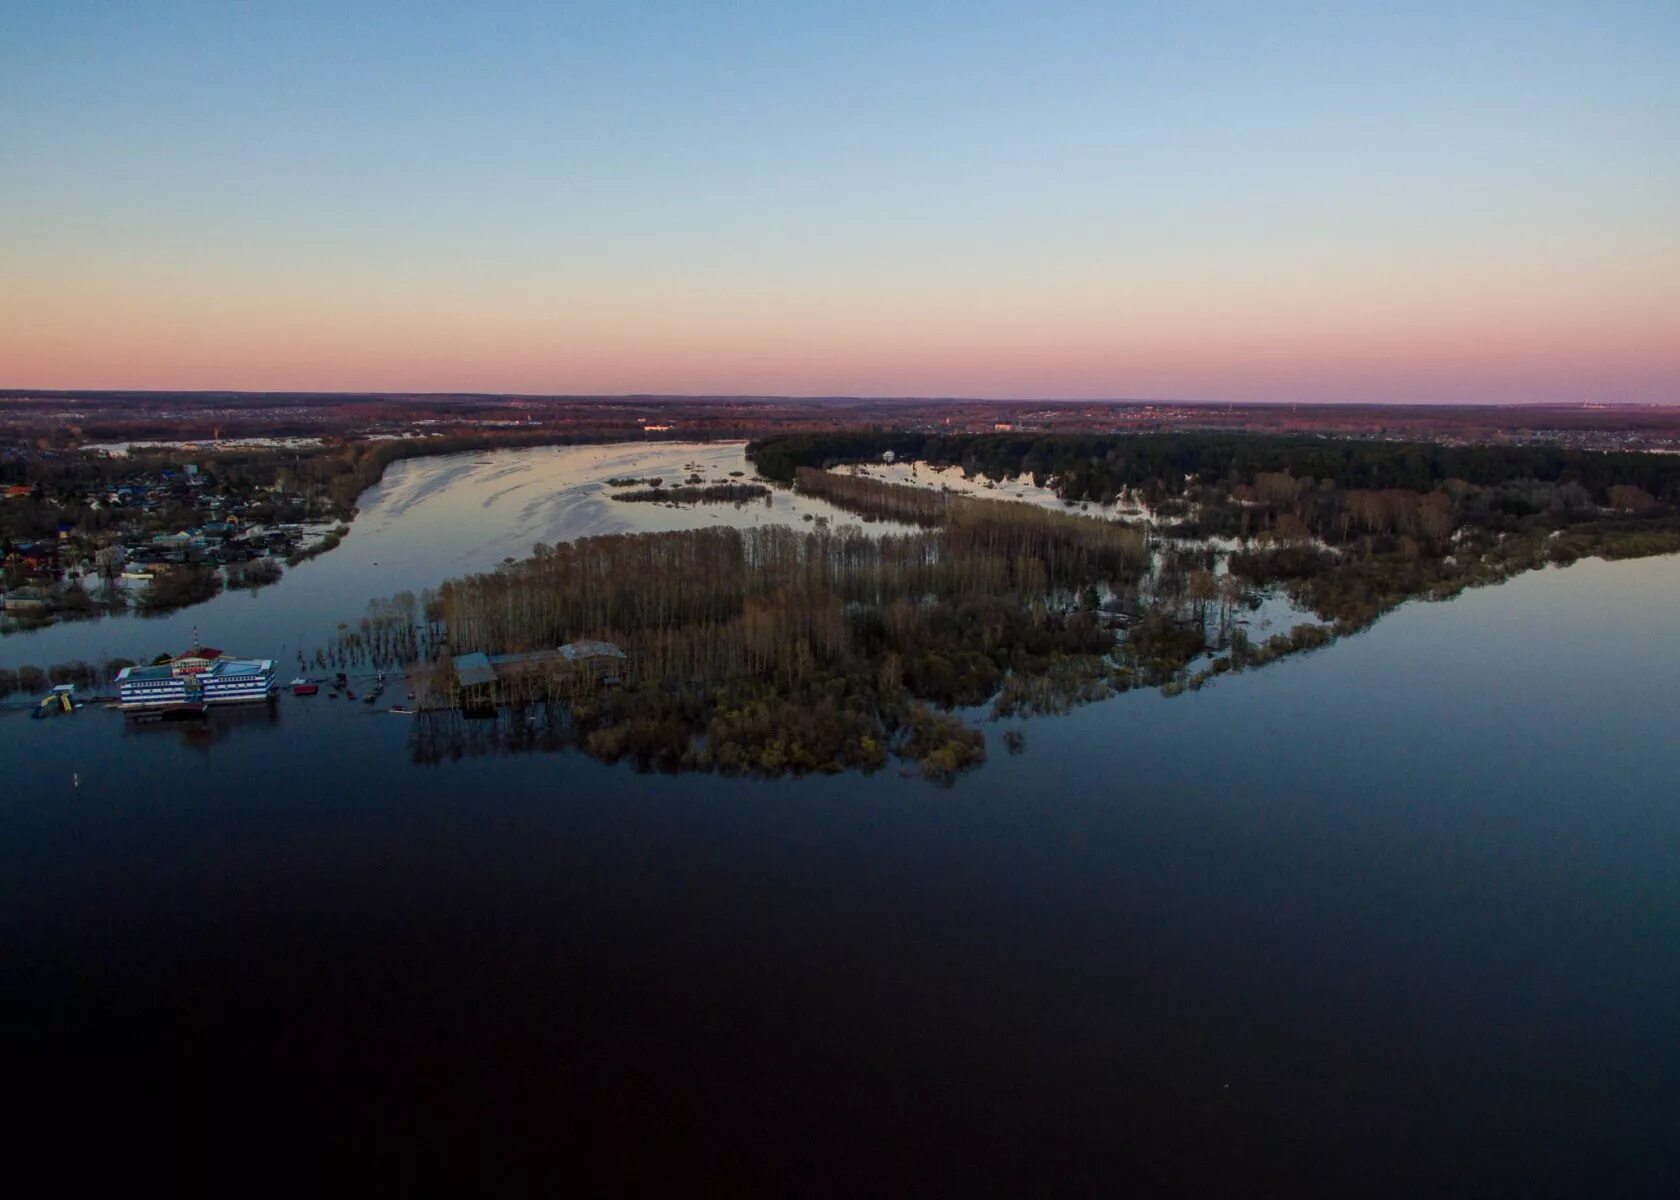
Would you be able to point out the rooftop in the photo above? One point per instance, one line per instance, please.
(144, 674)
(239, 666)
(474, 669)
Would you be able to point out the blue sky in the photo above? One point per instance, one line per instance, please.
(1201, 200)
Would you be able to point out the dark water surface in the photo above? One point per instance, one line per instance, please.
(1398, 917)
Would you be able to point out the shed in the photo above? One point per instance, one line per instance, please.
(474, 670)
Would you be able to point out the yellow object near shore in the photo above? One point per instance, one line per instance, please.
(56, 700)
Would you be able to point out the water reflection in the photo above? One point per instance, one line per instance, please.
(1412, 902)
(202, 731)
(449, 735)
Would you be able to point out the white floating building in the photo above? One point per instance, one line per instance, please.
(198, 677)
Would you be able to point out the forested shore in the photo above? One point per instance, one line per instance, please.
(1349, 529)
(769, 649)
(772, 649)
(69, 517)
(1100, 467)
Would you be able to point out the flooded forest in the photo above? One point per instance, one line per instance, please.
(771, 649)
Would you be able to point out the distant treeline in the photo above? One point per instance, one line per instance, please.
(34, 680)
(1100, 467)
(713, 493)
(342, 471)
(1072, 549)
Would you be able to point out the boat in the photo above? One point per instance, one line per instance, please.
(402, 710)
(193, 680)
(303, 687)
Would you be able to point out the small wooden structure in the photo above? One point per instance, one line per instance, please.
(483, 680)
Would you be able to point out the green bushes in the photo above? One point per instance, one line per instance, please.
(255, 574)
(77, 673)
(941, 743)
(1054, 687)
(179, 587)
(329, 542)
(748, 727)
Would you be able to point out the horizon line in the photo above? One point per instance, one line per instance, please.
(15, 393)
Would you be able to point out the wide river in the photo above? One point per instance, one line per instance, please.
(428, 520)
(1401, 916)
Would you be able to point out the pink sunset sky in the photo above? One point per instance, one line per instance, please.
(1200, 204)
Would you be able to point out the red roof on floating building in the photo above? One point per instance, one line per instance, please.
(199, 658)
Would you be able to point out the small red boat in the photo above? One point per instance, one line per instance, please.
(302, 687)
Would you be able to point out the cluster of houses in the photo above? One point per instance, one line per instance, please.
(168, 487)
(36, 563)
(219, 527)
(214, 543)
(40, 565)
(171, 486)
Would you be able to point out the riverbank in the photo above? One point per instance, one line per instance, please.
(426, 520)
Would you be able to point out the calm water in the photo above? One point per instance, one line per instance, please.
(1401, 916)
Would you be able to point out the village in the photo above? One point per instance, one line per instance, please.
(102, 535)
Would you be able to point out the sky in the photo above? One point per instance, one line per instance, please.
(1467, 202)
